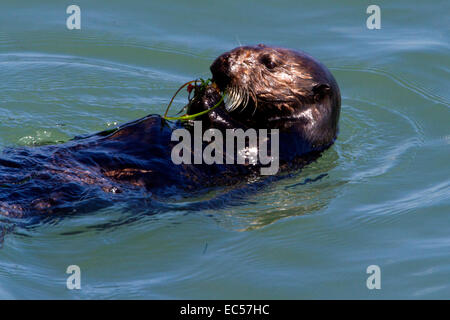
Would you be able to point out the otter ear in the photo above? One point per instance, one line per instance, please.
(320, 91)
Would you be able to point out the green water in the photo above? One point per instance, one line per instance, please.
(384, 201)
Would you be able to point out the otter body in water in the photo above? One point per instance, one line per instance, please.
(265, 88)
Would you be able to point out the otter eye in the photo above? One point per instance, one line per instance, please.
(267, 61)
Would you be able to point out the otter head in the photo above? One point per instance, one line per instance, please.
(269, 87)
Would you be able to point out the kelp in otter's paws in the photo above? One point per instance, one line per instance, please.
(198, 87)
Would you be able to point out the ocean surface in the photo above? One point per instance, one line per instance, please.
(380, 196)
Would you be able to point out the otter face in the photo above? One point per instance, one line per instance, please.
(269, 84)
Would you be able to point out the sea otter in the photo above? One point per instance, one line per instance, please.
(263, 87)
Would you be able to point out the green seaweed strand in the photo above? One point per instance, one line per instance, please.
(193, 116)
(203, 85)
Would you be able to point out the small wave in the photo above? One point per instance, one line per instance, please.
(405, 83)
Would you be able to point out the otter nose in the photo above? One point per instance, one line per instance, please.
(220, 70)
(225, 57)
(221, 64)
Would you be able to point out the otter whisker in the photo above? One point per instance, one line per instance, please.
(232, 99)
(228, 100)
(256, 102)
(246, 98)
(236, 97)
(239, 98)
